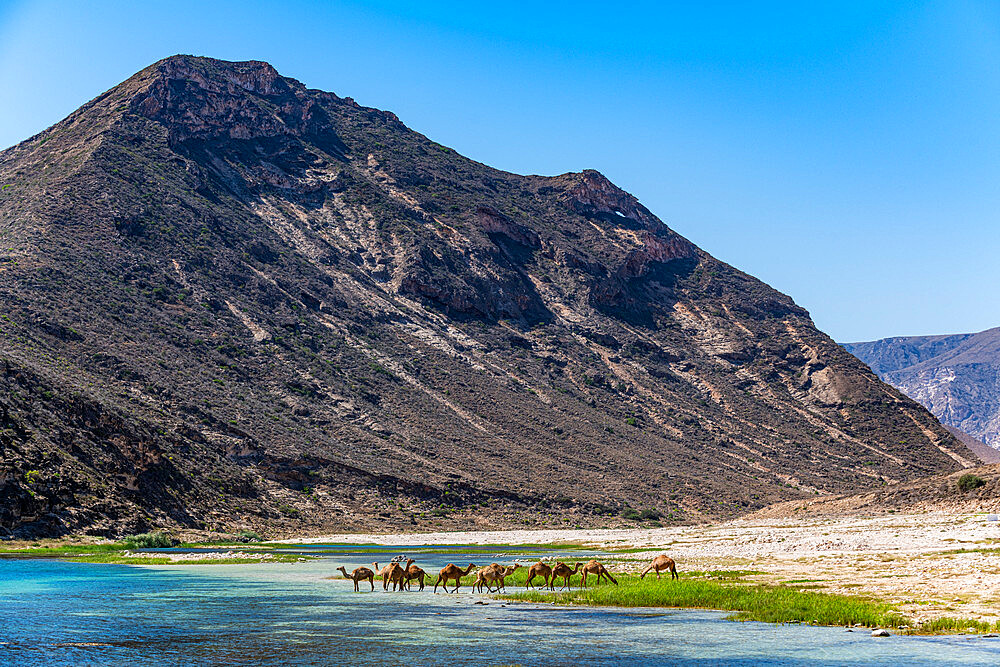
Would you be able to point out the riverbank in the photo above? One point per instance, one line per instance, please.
(125, 552)
(929, 566)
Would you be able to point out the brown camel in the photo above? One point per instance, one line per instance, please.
(411, 572)
(452, 571)
(660, 563)
(593, 567)
(391, 574)
(359, 574)
(562, 570)
(397, 576)
(539, 569)
(384, 573)
(488, 574)
(507, 571)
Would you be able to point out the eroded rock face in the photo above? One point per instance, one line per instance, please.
(193, 99)
(957, 377)
(595, 194)
(495, 222)
(231, 301)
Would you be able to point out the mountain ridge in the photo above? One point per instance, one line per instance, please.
(957, 377)
(237, 301)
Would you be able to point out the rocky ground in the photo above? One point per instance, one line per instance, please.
(199, 556)
(931, 564)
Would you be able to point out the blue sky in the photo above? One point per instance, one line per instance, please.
(846, 153)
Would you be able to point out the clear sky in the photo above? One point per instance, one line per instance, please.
(846, 153)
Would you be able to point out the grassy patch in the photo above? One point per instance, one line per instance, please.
(119, 559)
(473, 549)
(718, 574)
(954, 625)
(63, 549)
(772, 604)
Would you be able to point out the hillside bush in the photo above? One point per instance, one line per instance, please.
(968, 482)
(248, 536)
(148, 541)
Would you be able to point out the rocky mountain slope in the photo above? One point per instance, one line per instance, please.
(956, 377)
(936, 493)
(233, 301)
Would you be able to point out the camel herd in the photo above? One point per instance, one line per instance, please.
(493, 576)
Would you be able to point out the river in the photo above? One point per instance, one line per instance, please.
(61, 613)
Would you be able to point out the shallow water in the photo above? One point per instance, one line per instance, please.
(53, 612)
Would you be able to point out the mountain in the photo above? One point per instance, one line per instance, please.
(982, 451)
(232, 301)
(956, 377)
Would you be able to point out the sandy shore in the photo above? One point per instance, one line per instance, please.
(930, 564)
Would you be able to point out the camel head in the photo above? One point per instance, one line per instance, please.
(469, 569)
(341, 568)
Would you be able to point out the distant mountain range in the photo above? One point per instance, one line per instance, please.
(956, 377)
(230, 300)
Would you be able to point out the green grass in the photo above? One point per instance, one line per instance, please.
(477, 550)
(953, 625)
(118, 559)
(771, 604)
(64, 549)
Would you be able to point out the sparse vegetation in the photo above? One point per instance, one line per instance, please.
(771, 604)
(969, 481)
(149, 541)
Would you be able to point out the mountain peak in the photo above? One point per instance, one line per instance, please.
(234, 300)
(203, 98)
(255, 76)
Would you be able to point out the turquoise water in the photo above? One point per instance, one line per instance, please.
(57, 613)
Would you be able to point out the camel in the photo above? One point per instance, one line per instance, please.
(490, 573)
(562, 570)
(411, 572)
(507, 571)
(662, 562)
(397, 576)
(359, 574)
(391, 574)
(593, 567)
(539, 569)
(452, 571)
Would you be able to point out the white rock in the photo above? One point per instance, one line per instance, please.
(881, 632)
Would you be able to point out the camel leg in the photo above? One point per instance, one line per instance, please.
(372, 582)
